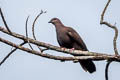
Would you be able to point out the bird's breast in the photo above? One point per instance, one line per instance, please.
(64, 40)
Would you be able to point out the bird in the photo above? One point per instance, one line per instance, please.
(67, 37)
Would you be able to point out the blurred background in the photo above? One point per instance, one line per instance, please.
(82, 15)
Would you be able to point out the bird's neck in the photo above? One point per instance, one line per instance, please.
(60, 25)
(59, 28)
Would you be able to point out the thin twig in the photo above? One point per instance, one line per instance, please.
(111, 26)
(4, 21)
(9, 54)
(104, 10)
(106, 69)
(27, 33)
(33, 30)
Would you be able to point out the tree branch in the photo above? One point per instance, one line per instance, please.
(39, 53)
(4, 21)
(27, 32)
(9, 54)
(111, 26)
(86, 54)
(67, 51)
(33, 30)
(115, 36)
(106, 69)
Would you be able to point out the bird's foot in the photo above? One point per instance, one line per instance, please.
(72, 49)
(63, 48)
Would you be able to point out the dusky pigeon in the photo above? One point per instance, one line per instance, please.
(67, 37)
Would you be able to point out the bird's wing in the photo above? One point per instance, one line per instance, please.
(75, 36)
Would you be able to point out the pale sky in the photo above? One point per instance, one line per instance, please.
(82, 15)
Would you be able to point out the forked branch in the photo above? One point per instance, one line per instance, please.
(111, 26)
(115, 36)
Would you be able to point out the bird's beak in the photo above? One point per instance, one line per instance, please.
(49, 22)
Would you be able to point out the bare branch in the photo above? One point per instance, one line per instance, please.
(9, 54)
(33, 30)
(27, 32)
(67, 51)
(92, 57)
(33, 26)
(115, 36)
(37, 53)
(106, 69)
(4, 21)
(111, 26)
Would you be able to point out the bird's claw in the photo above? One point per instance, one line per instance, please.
(63, 48)
(72, 49)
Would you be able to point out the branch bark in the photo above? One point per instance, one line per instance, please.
(82, 55)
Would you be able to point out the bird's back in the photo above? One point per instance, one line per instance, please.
(76, 39)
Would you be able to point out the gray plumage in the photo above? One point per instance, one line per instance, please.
(67, 37)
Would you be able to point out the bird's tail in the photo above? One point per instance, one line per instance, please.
(88, 65)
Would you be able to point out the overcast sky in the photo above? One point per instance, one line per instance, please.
(82, 15)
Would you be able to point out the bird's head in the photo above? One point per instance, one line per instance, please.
(54, 21)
